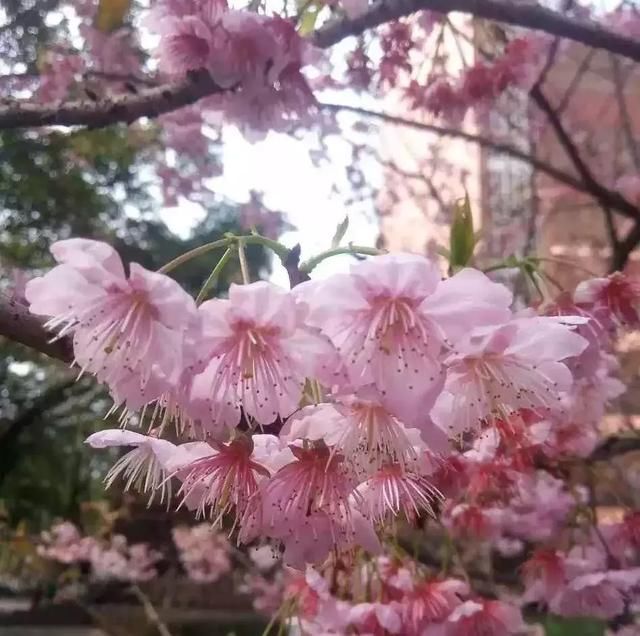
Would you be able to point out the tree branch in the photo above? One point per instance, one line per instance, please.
(531, 16)
(625, 247)
(17, 324)
(615, 446)
(606, 197)
(614, 200)
(149, 102)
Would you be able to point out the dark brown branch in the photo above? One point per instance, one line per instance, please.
(17, 324)
(614, 199)
(605, 197)
(531, 16)
(150, 102)
(625, 247)
(614, 447)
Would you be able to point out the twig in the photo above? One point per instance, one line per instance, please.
(614, 199)
(531, 16)
(150, 611)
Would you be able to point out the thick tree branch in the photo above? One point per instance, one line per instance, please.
(149, 102)
(615, 446)
(531, 16)
(614, 200)
(17, 324)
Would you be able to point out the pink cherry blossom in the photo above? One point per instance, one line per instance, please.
(619, 294)
(123, 562)
(393, 490)
(360, 428)
(485, 617)
(589, 595)
(143, 468)
(376, 618)
(306, 505)
(223, 481)
(500, 370)
(629, 186)
(432, 601)
(262, 54)
(125, 329)
(59, 73)
(203, 553)
(111, 52)
(260, 354)
(389, 320)
(64, 543)
(545, 571)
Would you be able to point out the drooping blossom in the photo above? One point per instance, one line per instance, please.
(261, 54)
(595, 330)
(142, 468)
(222, 481)
(591, 594)
(375, 618)
(393, 490)
(260, 353)
(360, 428)
(544, 574)
(431, 601)
(127, 331)
(500, 370)
(485, 617)
(619, 294)
(389, 320)
(306, 505)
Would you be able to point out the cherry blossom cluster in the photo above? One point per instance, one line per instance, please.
(108, 54)
(204, 554)
(480, 85)
(324, 417)
(113, 559)
(257, 57)
(392, 360)
(406, 602)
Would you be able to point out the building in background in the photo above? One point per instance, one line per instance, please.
(518, 209)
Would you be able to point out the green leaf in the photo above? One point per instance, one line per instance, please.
(341, 230)
(308, 19)
(462, 240)
(111, 14)
(557, 626)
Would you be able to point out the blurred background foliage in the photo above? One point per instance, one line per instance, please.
(92, 184)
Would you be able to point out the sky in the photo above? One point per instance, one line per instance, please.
(281, 168)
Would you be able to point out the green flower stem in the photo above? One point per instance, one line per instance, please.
(191, 254)
(257, 239)
(227, 241)
(309, 265)
(215, 274)
(244, 266)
